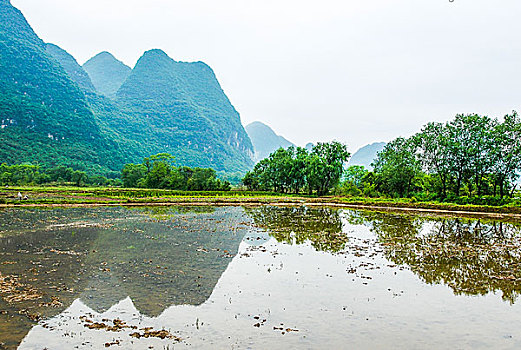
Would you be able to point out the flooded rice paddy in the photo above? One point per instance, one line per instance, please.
(256, 277)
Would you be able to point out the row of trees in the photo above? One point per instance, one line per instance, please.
(159, 171)
(471, 155)
(27, 174)
(294, 170)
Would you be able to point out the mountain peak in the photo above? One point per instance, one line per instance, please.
(156, 53)
(366, 155)
(14, 24)
(107, 73)
(103, 55)
(257, 124)
(186, 105)
(265, 140)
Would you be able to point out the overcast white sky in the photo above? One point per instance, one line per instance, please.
(357, 71)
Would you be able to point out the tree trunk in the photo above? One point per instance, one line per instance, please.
(458, 185)
(513, 190)
(443, 186)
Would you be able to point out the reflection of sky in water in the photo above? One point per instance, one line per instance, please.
(356, 296)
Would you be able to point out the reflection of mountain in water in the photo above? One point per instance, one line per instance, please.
(167, 256)
(159, 257)
(161, 262)
(472, 257)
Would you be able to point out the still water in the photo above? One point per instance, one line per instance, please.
(259, 277)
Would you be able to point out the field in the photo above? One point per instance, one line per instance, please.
(67, 196)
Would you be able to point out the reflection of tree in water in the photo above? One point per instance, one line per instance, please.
(296, 225)
(472, 257)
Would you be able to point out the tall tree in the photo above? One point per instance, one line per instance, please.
(397, 167)
(432, 142)
(327, 161)
(506, 154)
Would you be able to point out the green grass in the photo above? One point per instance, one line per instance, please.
(409, 203)
(108, 195)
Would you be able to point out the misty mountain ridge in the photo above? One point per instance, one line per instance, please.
(53, 111)
(107, 73)
(71, 66)
(366, 155)
(265, 140)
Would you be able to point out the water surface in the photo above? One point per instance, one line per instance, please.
(203, 277)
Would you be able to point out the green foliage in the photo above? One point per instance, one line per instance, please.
(326, 166)
(26, 174)
(354, 181)
(50, 114)
(158, 171)
(180, 107)
(132, 174)
(470, 160)
(44, 116)
(397, 168)
(295, 169)
(19, 174)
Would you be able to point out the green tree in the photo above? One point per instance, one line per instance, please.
(469, 149)
(326, 166)
(397, 167)
(506, 152)
(132, 174)
(79, 177)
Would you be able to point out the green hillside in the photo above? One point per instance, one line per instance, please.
(51, 113)
(44, 116)
(107, 73)
(73, 69)
(264, 140)
(180, 108)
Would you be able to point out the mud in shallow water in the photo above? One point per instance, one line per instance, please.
(255, 277)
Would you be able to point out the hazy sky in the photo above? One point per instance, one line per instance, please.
(357, 71)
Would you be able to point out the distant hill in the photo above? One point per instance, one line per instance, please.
(44, 116)
(53, 112)
(107, 114)
(180, 108)
(73, 69)
(264, 140)
(366, 155)
(107, 73)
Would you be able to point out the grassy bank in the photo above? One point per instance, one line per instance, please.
(114, 196)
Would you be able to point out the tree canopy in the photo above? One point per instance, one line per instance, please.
(471, 156)
(296, 169)
(159, 171)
